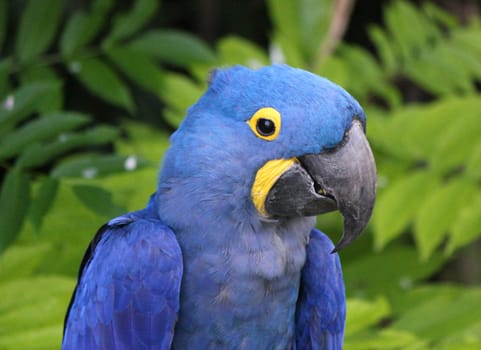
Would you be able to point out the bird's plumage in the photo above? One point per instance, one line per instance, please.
(128, 291)
(321, 307)
(201, 257)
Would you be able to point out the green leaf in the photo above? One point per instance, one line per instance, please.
(303, 24)
(466, 343)
(18, 106)
(397, 206)
(363, 314)
(37, 28)
(335, 69)
(370, 77)
(406, 25)
(179, 93)
(445, 18)
(82, 28)
(437, 213)
(468, 60)
(139, 140)
(42, 202)
(128, 23)
(52, 101)
(33, 74)
(385, 339)
(102, 6)
(286, 19)
(40, 129)
(473, 164)
(95, 166)
(393, 277)
(22, 261)
(468, 39)
(406, 144)
(36, 155)
(413, 298)
(14, 293)
(32, 310)
(284, 50)
(442, 316)
(76, 33)
(455, 143)
(68, 227)
(417, 121)
(37, 338)
(236, 50)
(467, 225)
(425, 73)
(385, 48)
(139, 67)
(5, 67)
(104, 82)
(98, 200)
(14, 202)
(173, 47)
(458, 68)
(3, 22)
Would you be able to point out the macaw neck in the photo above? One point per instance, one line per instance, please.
(188, 204)
(216, 220)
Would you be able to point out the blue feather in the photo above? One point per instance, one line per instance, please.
(321, 307)
(128, 291)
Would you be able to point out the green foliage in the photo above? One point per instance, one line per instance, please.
(28, 318)
(35, 34)
(38, 131)
(437, 193)
(31, 319)
(59, 184)
(301, 26)
(174, 47)
(14, 198)
(437, 317)
(103, 81)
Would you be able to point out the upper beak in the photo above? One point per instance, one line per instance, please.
(341, 178)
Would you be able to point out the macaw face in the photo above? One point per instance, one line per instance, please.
(285, 141)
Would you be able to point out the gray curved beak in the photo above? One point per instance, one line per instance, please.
(342, 178)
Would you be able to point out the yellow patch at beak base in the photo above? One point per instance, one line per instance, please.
(265, 178)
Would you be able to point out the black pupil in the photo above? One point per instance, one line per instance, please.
(265, 127)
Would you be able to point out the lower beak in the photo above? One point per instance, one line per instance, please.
(342, 178)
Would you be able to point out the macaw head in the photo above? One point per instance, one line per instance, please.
(271, 144)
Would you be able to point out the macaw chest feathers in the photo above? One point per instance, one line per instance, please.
(250, 284)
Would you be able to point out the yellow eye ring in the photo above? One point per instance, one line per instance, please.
(266, 123)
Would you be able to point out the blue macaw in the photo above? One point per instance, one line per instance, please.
(225, 255)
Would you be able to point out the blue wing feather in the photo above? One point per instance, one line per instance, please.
(127, 295)
(321, 307)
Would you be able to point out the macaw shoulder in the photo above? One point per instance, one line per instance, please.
(135, 244)
(142, 244)
(129, 286)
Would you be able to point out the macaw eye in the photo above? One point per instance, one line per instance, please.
(265, 127)
(266, 123)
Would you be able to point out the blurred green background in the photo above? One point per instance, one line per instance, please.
(91, 90)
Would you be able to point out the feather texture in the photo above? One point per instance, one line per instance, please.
(128, 290)
(321, 306)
